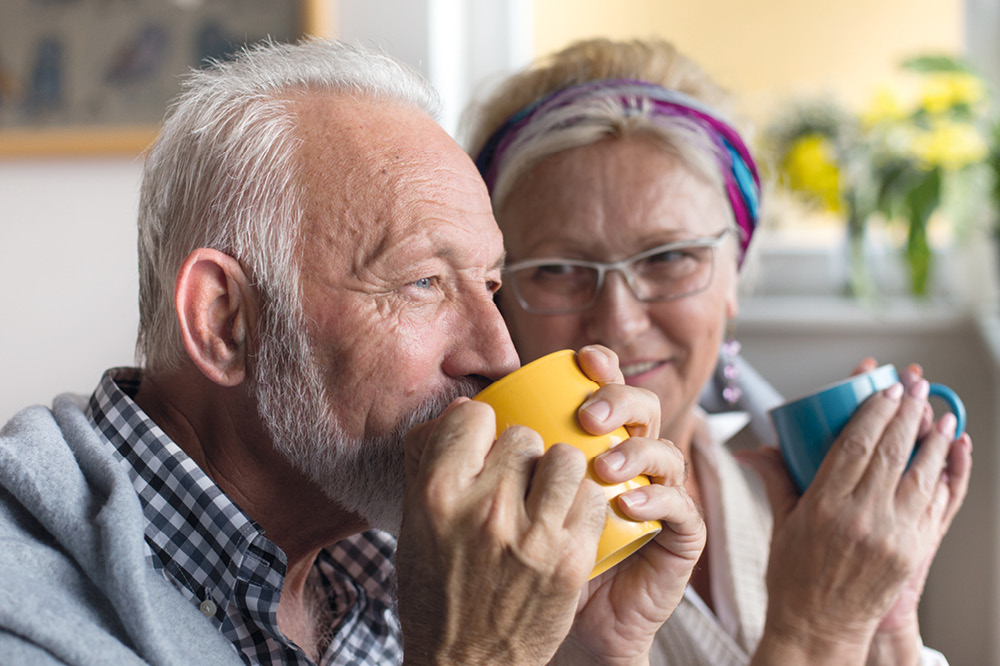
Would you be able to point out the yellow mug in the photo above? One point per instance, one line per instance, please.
(545, 396)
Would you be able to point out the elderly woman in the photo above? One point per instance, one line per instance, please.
(627, 201)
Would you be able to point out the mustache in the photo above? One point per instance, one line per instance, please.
(467, 387)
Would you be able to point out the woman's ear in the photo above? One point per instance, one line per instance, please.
(732, 290)
(732, 301)
(215, 310)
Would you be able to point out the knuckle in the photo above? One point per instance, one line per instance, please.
(679, 460)
(673, 466)
(523, 439)
(497, 521)
(887, 548)
(438, 495)
(824, 512)
(568, 456)
(861, 535)
(856, 444)
(895, 453)
(858, 532)
(924, 480)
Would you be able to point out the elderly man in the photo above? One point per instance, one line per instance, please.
(317, 265)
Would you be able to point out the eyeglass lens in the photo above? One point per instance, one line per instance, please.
(563, 286)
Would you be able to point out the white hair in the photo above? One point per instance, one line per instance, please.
(222, 172)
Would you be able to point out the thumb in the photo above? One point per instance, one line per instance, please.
(770, 467)
(415, 441)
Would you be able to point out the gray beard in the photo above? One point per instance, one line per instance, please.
(363, 475)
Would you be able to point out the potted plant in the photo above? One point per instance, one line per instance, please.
(902, 159)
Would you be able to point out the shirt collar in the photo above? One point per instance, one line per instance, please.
(195, 533)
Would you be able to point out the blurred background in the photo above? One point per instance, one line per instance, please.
(874, 121)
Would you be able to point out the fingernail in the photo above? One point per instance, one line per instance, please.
(920, 389)
(595, 349)
(614, 459)
(633, 499)
(967, 440)
(894, 392)
(946, 426)
(599, 409)
(461, 400)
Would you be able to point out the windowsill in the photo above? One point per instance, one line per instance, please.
(830, 312)
(801, 276)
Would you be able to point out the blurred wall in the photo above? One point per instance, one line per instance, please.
(766, 50)
(68, 279)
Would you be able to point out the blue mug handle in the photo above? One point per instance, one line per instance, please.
(955, 404)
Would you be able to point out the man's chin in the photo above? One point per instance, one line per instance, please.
(365, 476)
(380, 511)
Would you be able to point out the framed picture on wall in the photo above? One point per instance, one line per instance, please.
(95, 76)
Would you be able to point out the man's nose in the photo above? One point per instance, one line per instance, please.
(485, 347)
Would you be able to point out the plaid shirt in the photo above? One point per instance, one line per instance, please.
(220, 560)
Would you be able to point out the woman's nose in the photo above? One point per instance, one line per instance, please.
(617, 316)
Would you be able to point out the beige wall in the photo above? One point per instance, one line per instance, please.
(765, 50)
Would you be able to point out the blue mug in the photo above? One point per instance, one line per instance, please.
(807, 427)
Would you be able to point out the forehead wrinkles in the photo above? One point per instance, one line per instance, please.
(421, 203)
(376, 175)
(610, 199)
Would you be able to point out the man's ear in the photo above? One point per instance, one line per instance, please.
(215, 311)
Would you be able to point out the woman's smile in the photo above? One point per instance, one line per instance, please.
(638, 371)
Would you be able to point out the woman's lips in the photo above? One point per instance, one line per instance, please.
(638, 370)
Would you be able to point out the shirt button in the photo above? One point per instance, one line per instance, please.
(207, 608)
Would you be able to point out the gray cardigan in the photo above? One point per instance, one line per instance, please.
(75, 585)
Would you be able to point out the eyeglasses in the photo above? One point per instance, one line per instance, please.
(662, 273)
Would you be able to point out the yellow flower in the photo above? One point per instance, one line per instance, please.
(885, 107)
(948, 144)
(811, 167)
(943, 91)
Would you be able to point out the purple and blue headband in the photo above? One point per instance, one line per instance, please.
(739, 172)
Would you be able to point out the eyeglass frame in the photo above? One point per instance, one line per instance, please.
(623, 266)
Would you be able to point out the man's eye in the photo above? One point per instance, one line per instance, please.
(424, 283)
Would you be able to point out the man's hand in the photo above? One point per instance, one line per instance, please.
(497, 539)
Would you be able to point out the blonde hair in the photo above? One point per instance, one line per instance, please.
(654, 61)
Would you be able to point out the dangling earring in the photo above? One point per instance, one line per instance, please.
(732, 392)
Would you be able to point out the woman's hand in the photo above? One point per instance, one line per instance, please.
(621, 610)
(897, 639)
(849, 554)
